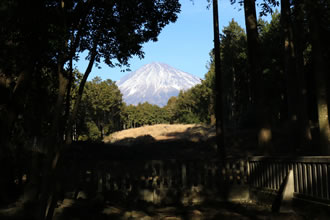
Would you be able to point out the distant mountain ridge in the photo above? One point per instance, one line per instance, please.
(155, 83)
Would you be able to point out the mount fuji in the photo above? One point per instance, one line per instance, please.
(155, 83)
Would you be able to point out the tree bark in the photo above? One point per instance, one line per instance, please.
(79, 97)
(264, 133)
(53, 147)
(290, 72)
(298, 33)
(12, 106)
(218, 84)
(320, 75)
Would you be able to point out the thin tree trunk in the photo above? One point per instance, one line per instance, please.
(68, 97)
(79, 97)
(253, 45)
(218, 83)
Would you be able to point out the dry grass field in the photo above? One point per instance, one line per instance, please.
(238, 143)
(162, 132)
(176, 140)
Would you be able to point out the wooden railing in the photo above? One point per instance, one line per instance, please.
(162, 176)
(168, 173)
(311, 175)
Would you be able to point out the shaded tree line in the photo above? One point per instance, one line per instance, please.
(142, 114)
(186, 108)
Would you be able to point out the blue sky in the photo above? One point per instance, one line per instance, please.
(184, 45)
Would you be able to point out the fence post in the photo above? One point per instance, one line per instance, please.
(99, 181)
(184, 175)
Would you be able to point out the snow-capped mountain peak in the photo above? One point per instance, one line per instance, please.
(155, 83)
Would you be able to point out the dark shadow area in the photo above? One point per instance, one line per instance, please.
(162, 181)
(178, 179)
(197, 132)
(165, 149)
(86, 209)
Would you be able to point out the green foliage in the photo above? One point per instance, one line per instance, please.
(170, 109)
(100, 110)
(191, 106)
(143, 114)
(93, 132)
(234, 74)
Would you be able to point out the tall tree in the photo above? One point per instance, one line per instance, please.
(320, 72)
(299, 33)
(218, 83)
(264, 132)
(296, 89)
(233, 63)
(290, 72)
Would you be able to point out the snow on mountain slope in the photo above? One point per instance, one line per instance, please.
(155, 83)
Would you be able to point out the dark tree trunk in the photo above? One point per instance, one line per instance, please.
(253, 46)
(303, 123)
(73, 116)
(11, 106)
(53, 148)
(291, 76)
(264, 132)
(218, 83)
(320, 75)
(68, 96)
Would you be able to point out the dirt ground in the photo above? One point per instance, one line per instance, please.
(165, 142)
(82, 210)
(99, 209)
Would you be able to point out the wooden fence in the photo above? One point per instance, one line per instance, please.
(311, 175)
(156, 180)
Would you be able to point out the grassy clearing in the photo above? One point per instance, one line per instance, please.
(239, 143)
(190, 140)
(160, 132)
